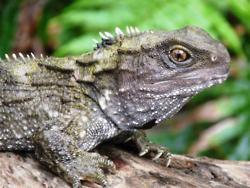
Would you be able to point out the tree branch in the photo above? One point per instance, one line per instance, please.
(133, 171)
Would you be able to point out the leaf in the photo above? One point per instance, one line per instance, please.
(242, 149)
(241, 8)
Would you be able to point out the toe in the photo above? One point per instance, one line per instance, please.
(99, 177)
(158, 155)
(103, 162)
(144, 152)
(168, 157)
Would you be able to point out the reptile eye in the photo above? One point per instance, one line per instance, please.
(178, 55)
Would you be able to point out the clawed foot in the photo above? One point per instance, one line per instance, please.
(58, 151)
(147, 147)
(159, 152)
(87, 167)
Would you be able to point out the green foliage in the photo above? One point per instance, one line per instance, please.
(69, 26)
(240, 8)
(84, 19)
(8, 22)
(242, 150)
(179, 141)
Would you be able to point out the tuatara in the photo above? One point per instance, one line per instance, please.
(62, 108)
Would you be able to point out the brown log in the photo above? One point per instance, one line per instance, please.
(132, 171)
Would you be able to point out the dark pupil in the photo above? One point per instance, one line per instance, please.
(179, 55)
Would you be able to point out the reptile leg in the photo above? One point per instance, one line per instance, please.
(60, 153)
(145, 146)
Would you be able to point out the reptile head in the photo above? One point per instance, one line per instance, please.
(158, 72)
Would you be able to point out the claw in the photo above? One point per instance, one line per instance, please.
(128, 139)
(146, 146)
(143, 152)
(158, 155)
(110, 166)
(169, 157)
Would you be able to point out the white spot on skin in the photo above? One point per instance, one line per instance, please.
(102, 102)
(54, 127)
(105, 98)
(50, 112)
(107, 94)
(84, 119)
(82, 134)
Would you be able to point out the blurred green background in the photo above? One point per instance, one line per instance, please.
(215, 123)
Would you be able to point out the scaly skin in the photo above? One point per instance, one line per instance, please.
(62, 108)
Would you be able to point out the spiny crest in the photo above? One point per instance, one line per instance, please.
(19, 57)
(108, 39)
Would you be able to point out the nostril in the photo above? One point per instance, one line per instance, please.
(213, 58)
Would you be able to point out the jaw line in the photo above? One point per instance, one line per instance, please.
(223, 77)
(182, 91)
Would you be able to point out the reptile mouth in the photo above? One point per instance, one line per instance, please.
(209, 83)
(162, 90)
(212, 82)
